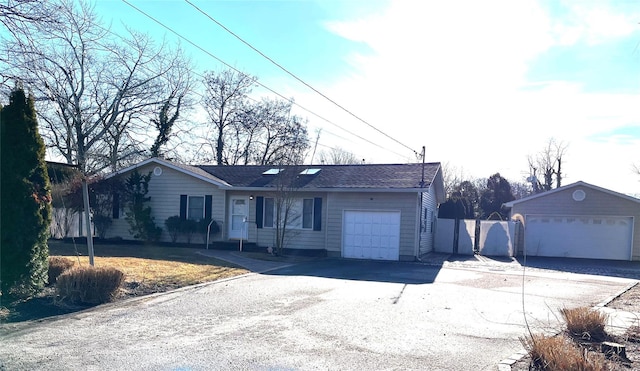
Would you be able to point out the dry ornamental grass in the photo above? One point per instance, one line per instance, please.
(558, 353)
(585, 323)
(584, 345)
(89, 285)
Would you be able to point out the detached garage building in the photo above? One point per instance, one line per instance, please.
(580, 220)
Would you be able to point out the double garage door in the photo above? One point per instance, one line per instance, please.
(607, 237)
(371, 235)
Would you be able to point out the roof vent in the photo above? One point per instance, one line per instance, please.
(310, 171)
(272, 172)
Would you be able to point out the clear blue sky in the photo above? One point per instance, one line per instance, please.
(481, 84)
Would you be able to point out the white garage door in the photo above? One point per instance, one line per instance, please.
(607, 237)
(371, 235)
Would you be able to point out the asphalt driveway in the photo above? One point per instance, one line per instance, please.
(329, 314)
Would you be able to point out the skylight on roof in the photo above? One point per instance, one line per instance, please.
(272, 172)
(310, 171)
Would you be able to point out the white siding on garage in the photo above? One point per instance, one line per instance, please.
(598, 203)
(607, 237)
(371, 235)
(165, 191)
(428, 221)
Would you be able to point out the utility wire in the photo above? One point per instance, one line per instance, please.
(257, 82)
(201, 96)
(298, 78)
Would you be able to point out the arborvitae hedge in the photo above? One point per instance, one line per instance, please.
(25, 207)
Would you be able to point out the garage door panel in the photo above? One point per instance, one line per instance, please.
(371, 235)
(606, 237)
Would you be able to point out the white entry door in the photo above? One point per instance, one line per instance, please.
(371, 235)
(238, 215)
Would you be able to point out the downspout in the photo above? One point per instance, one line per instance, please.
(421, 203)
(326, 227)
(419, 228)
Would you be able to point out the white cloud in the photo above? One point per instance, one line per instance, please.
(594, 24)
(453, 76)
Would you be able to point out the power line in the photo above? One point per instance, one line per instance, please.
(257, 82)
(255, 100)
(298, 78)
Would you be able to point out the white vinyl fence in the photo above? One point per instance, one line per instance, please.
(495, 238)
(66, 223)
(446, 240)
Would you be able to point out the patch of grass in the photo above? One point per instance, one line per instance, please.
(148, 269)
(558, 353)
(162, 275)
(585, 323)
(89, 285)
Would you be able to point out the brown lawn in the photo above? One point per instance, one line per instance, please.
(148, 270)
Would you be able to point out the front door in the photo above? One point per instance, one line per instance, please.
(238, 214)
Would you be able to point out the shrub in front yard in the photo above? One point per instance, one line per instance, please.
(586, 323)
(89, 285)
(174, 227)
(57, 266)
(558, 353)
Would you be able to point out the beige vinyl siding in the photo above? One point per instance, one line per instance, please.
(406, 203)
(165, 191)
(428, 214)
(596, 203)
(297, 238)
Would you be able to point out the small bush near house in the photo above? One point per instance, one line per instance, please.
(202, 227)
(89, 285)
(174, 227)
(189, 228)
(586, 323)
(557, 353)
(57, 266)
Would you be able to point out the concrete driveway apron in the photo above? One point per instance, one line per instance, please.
(329, 314)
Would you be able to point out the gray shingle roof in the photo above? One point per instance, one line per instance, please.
(198, 171)
(367, 176)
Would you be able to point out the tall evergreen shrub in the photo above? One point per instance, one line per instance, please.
(25, 205)
(142, 224)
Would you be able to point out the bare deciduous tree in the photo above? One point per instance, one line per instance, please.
(338, 156)
(547, 164)
(14, 12)
(283, 138)
(177, 85)
(93, 90)
(452, 176)
(246, 132)
(226, 103)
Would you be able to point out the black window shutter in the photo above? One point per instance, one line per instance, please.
(317, 214)
(116, 206)
(208, 200)
(259, 210)
(183, 206)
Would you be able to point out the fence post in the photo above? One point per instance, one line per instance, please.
(456, 235)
